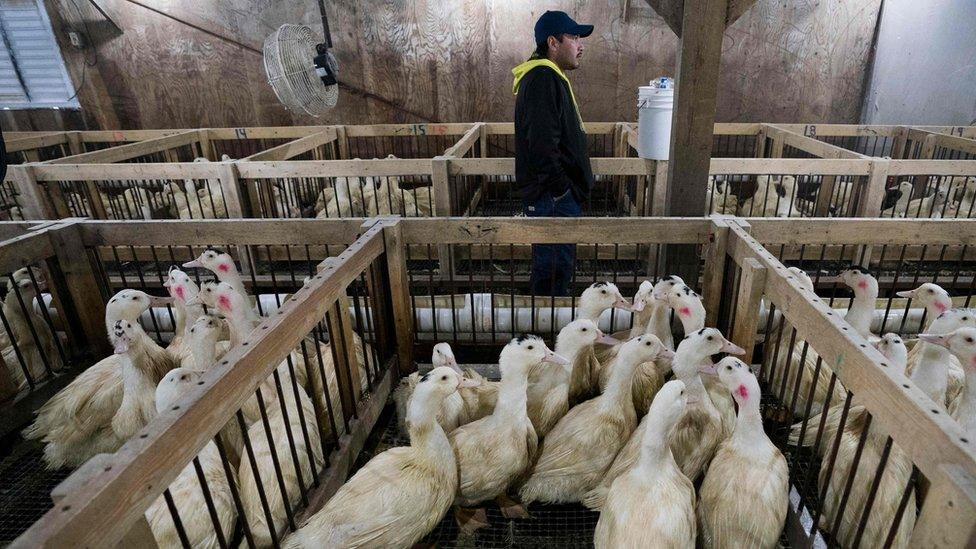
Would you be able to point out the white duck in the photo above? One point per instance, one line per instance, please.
(181, 288)
(934, 369)
(548, 392)
(201, 341)
(594, 300)
(221, 264)
(452, 412)
(141, 361)
(699, 432)
(579, 449)
(494, 451)
(401, 494)
(653, 504)
(186, 490)
(749, 462)
(76, 423)
(962, 343)
(33, 348)
(935, 300)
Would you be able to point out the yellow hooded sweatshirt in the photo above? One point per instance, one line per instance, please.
(523, 69)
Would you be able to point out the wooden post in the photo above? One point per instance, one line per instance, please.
(899, 142)
(822, 207)
(948, 515)
(441, 186)
(760, 143)
(343, 140)
(919, 182)
(714, 276)
(86, 308)
(32, 203)
(230, 187)
(870, 204)
(752, 282)
(74, 143)
(206, 146)
(399, 280)
(699, 52)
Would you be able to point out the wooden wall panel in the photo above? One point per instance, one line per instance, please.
(197, 63)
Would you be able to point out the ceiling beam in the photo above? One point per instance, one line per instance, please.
(736, 9)
(671, 11)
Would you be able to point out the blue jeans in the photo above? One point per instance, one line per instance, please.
(553, 265)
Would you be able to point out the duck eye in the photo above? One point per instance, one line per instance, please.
(931, 291)
(969, 340)
(135, 298)
(531, 347)
(584, 329)
(443, 378)
(604, 292)
(710, 338)
(648, 344)
(193, 330)
(729, 368)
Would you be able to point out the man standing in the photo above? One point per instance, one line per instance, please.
(552, 167)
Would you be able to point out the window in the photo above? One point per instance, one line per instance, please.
(32, 72)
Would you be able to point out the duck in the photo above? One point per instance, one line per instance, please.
(751, 463)
(201, 341)
(494, 451)
(33, 350)
(336, 201)
(401, 494)
(652, 504)
(934, 369)
(697, 435)
(934, 299)
(803, 362)
(928, 206)
(902, 195)
(892, 347)
(76, 423)
(649, 376)
(14, 282)
(452, 413)
(577, 452)
(776, 196)
(962, 343)
(181, 288)
(594, 300)
(548, 391)
(143, 363)
(222, 265)
(186, 490)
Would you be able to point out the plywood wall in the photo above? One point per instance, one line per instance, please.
(197, 63)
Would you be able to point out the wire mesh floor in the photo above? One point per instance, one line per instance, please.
(550, 526)
(25, 489)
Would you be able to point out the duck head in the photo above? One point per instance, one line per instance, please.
(130, 304)
(180, 286)
(125, 335)
(599, 297)
(802, 278)
(214, 260)
(176, 382)
(582, 333)
(206, 329)
(668, 406)
(686, 304)
(932, 296)
(525, 352)
(893, 348)
(961, 342)
(860, 280)
(645, 348)
(738, 379)
(695, 349)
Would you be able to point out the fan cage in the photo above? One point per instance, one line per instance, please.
(291, 73)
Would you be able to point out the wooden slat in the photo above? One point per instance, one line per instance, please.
(383, 130)
(493, 230)
(146, 464)
(135, 171)
(294, 148)
(278, 232)
(795, 231)
(24, 250)
(714, 273)
(839, 130)
(751, 285)
(932, 167)
(33, 205)
(399, 278)
(334, 168)
(35, 142)
(467, 141)
(793, 166)
(809, 144)
(132, 150)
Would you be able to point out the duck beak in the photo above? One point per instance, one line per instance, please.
(665, 354)
(157, 301)
(732, 348)
(193, 301)
(555, 359)
(638, 306)
(606, 340)
(192, 264)
(940, 340)
(707, 368)
(469, 383)
(623, 304)
(659, 296)
(906, 293)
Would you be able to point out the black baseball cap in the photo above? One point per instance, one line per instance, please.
(552, 23)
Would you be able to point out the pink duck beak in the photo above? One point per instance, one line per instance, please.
(935, 339)
(732, 348)
(555, 359)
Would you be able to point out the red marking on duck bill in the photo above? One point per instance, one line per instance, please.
(223, 302)
(685, 311)
(863, 284)
(743, 392)
(223, 267)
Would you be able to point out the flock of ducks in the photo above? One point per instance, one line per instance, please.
(595, 422)
(115, 398)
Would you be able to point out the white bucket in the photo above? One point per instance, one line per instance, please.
(655, 105)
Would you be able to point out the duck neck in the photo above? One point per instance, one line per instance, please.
(512, 393)
(240, 328)
(655, 446)
(968, 403)
(660, 324)
(692, 317)
(931, 373)
(590, 311)
(642, 320)
(573, 352)
(202, 354)
(932, 312)
(748, 423)
(618, 390)
(232, 277)
(861, 312)
(426, 435)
